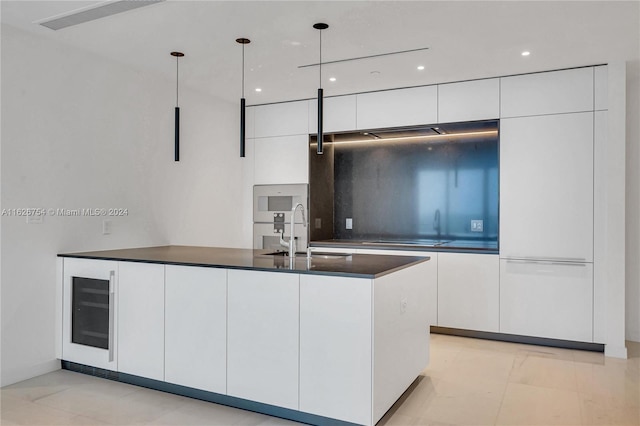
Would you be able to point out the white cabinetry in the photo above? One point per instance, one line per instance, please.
(335, 347)
(262, 351)
(546, 299)
(281, 160)
(469, 100)
(287, 118)
(546, 187)
(107, 272)
(339, 114)
(428, 273)
(196, 327)
(402, 107)
(547, 93)
(141, 319)
(469, 291)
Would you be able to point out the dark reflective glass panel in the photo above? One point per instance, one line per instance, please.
(90, 314)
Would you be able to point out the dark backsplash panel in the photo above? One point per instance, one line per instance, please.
(408, 190)
(321, 196)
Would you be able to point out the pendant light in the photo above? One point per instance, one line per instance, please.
(320, 26)
(242, 41)
(177, 55)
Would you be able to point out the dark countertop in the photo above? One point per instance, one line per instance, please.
(356, 265)
(451, 245)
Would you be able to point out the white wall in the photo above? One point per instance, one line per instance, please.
(633, 203)
(79, 131)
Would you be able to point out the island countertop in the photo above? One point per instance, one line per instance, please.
(355, 265)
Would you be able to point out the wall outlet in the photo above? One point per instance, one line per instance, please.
(349, 223)
(106, 227)
(477, 225)
(35, 220)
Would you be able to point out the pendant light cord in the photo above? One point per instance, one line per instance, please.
(320, 63)
(177, 59)
(243, 70)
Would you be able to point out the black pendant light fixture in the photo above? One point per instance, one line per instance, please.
(177, 55)
(242, 41)
(320, 26)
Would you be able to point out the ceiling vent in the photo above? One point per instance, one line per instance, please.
(94, 12)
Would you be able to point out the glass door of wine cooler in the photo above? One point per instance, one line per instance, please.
(89, 322)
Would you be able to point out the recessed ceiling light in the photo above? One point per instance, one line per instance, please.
(332, 79)
(258, 89)
(526, 53)
(420, 67)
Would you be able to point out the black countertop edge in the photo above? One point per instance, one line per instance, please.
(403, 247)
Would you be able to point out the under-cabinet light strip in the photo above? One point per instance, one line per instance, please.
(404, 138)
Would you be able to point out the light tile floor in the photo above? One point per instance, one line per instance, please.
(468, 382)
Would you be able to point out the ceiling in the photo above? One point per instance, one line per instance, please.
(466, 40)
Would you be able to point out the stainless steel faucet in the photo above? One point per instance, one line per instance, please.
(291, 245)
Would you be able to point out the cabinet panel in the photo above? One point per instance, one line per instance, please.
(546, 299)
(281, 160)
(335, 347)
(547, 93)
(469, 100)
(141, 319)
(262, 337)
(469, 291)
(287, 118)
(402, 107)
(428, 276)
(104, 271)
(196, 327)
(546, 187)
(339, 114)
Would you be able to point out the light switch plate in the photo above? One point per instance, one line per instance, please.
(349, 224)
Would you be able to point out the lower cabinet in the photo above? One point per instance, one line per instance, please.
(336, 347)
(547, 299)
(196, 327)
(141, 319)
(469, 291)
(263, 331)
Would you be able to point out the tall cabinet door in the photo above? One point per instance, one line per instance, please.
(263, 337)
(141, 319)
(196, 327)
(546, 187)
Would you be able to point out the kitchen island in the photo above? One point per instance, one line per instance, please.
(324, 340)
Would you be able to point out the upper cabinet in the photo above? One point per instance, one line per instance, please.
(283, 159)
(469, 101)
(392, 108)
(601, 87)
(287, 118)
(547, 93)
(339, 114)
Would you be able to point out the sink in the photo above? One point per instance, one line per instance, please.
(314, 255)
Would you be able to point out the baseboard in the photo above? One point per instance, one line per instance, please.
(244, 404)
(615, 351)
(515, 338)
